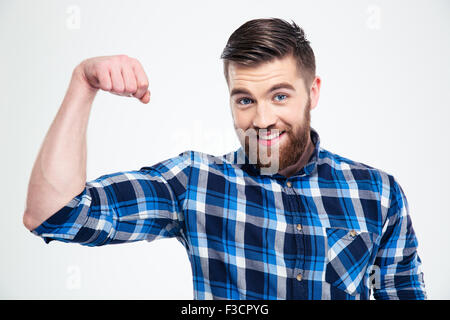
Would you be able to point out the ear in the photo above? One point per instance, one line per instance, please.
(314, 92)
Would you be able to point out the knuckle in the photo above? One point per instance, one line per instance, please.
(143, 85)
(135, 61)
(123, 58)
(103, 66)
(118, 89)
(115, 60)
(106, 86)
(100, 68)
(131, 88)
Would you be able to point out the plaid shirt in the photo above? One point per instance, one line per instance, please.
(338, 229)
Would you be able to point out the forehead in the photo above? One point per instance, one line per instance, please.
(264, 74)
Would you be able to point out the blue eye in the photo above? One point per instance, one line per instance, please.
(244, 99)
(281, 95)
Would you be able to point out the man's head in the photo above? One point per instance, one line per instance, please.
(270, 71)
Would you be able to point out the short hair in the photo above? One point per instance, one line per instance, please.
(262, 40)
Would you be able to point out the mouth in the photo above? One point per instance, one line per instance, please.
(271, 139)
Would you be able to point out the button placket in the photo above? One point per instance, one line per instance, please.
(294, 205)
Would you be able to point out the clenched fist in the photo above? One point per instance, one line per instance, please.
(119, 74)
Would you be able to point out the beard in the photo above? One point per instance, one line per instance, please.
(271, 159)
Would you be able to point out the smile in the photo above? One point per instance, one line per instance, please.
(271, 139)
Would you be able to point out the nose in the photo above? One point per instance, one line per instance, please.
(265, 117)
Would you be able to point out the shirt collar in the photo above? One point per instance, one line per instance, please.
(243, 162)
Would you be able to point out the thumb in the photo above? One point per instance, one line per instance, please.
(146, 97)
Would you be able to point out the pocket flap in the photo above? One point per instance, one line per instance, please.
(348, 256)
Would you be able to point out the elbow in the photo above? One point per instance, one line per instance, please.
(28, 221)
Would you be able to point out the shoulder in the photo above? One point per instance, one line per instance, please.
(174, 164)
(352, 169)
(187, 160)
(376, 183)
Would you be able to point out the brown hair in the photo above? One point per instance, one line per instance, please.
(262, 40)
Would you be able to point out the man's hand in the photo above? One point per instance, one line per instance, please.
(119, 74)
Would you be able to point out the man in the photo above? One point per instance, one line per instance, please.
(279, 218)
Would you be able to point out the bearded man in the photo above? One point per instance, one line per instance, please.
(279, 218)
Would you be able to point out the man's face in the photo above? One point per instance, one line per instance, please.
(271, 111)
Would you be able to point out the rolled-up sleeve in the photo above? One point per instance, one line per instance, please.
(397, 263)
(125, 206)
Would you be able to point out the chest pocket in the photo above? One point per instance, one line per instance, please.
(348, 254)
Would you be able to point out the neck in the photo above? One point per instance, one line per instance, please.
(302, 161)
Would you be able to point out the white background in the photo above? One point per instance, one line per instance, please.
(384, 102)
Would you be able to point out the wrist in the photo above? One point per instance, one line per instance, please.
(80, 83)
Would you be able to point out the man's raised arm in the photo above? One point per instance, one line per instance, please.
(59, 172)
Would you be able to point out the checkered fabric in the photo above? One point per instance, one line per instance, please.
(337, 229)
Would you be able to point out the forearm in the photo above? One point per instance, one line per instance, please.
(59, 172)
(400, 273)
(401, 282)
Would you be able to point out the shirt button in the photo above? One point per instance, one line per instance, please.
(289, 184)
(299, 227)
(352, 233)
(299, 277)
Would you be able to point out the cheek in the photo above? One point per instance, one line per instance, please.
(292, 115)
(242, 119)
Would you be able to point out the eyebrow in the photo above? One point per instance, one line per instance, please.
(283, 85)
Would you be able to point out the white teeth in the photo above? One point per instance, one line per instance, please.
(270, 137)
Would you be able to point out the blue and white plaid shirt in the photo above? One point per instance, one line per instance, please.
(337, 229)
